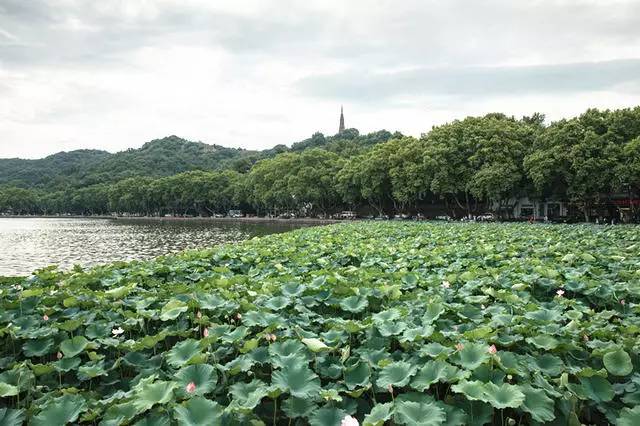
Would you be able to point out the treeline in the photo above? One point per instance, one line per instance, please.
(468, 165)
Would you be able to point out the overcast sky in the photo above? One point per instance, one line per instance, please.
(114, 74)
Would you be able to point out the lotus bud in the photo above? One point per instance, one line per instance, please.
(622, 302)
(272, 337)
(238, 316)
(492, 349)
(199, 315)
(509, 377)
(59, 355)
(45, 317)
(205, 333)
(191, 387)
(459, 346)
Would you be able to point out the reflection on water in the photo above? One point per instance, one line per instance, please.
(27, 244)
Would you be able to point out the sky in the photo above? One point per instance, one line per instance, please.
(111, 75)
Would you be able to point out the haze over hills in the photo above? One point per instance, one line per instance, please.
(160, 157)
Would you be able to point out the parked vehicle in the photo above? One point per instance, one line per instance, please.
(487, 217)
(235, 213)
(348, 214)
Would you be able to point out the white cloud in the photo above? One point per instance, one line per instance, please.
(253, 74)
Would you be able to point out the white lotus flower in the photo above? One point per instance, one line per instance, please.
(117, 331)
(349, 421)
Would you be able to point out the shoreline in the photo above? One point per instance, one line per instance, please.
(303, 220)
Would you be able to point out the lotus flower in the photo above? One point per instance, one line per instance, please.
(45, 317)
(349, 421)
(117, 331)
(205, 333)
(622, 302)
(191, 387)
(560, 292)
(493, 349)
(199, 315)
(459, 346)
(446, 284)
(239, 316)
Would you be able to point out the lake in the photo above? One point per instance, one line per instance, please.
(27, 244)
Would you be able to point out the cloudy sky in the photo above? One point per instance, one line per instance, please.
(114, 74)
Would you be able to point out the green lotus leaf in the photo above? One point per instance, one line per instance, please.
(471, 356)
(119, 292)
(503, 396)
(72, 347)
(204, 376)
(67, 364)
(315, 345)
(159, 392)
(11, 417)
(119, 413)
(60, 411)
(357, 375)
(298, 380)
(327, 416)
(354, 304)
(91, 370)
(435, 371)
(154, 419)
(298, 407)
(538, 404)
(457, 416)
(473, 390)
(416, 333)
(8, 390)
(432, 313)
(549, 364)
(172, 310)
(396, 374)
(543, 341)
(198, 411)
(379, 414)
(248, 395)
(628, 417)
(386, 316)
(597, 388)
(38, 347)
(435, 350)
(618, 363)
(391, 328)
(277, 303)
(544, 315)
(183, 353)
(419, 413)
(240, 364)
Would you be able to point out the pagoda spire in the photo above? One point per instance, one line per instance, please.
(341, 128)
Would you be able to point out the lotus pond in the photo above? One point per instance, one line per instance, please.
(391, 323)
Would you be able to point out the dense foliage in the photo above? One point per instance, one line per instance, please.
(419, 324)
(469, 166)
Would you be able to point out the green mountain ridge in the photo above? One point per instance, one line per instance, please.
(160, 157)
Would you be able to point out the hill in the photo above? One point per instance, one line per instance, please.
(161, 157)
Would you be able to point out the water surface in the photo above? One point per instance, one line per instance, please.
(27, 244)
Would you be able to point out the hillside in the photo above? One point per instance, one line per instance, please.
(161, 157)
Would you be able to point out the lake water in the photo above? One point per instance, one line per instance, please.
(27, 244)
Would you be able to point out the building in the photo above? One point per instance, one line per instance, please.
(341, 127)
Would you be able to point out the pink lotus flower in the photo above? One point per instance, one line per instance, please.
(446, 284)
(459, 346)
(349, 421)
(191, 387)
(205, 333)
(238, 316)
(622, 302)
(492, 349)
(560, 292)
(59, 355)
(45, 317)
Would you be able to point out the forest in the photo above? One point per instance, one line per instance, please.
(469, 166)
